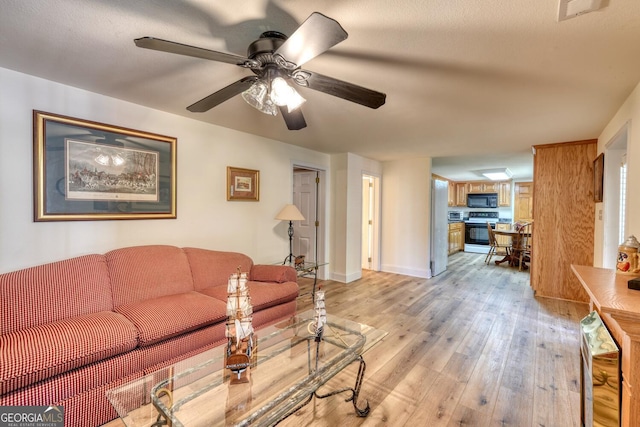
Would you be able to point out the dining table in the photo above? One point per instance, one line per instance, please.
(513, 259)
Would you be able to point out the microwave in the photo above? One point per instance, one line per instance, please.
(486, 200)
(455, 215)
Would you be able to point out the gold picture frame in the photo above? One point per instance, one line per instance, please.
(243, 184)
(85, 171)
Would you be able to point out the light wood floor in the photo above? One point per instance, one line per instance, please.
(470, 347)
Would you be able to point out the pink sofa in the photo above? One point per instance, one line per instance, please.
(73, 329)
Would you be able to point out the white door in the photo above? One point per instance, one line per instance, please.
(305, 198)
(370, 222)
(367, 222)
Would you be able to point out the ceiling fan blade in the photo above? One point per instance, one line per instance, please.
(196, 52)
(294, 120)
(205, 104)
(313, 37)
(341, 89)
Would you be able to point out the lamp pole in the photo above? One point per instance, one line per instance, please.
(290, 256)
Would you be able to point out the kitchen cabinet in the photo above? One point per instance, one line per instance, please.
(452, 197)
(461, 194)
(475, 187)
(458, 191)
(490, 187)
(504, 194)
(523, 201)
(564, 217)
(456, 237)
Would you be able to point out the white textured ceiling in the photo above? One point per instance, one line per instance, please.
(485, 79)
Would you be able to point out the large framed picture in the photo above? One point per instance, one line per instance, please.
(243, 184)
(598, 176)
(86, 170)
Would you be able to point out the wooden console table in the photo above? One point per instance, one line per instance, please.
(619, 308)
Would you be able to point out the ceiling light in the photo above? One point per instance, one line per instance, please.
(497, 174)
(258, 97)
(282, 94)
(265, 94)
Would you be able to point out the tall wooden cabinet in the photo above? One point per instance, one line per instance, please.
(563, 213)
(523, 201)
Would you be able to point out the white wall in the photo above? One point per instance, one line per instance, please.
(628, 114)
(205, 218)
(406, 215)
(347, 170)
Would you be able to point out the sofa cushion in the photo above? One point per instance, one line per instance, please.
(263, 295)
(213, 268)
(55, 291)
(273, 273)
(40, 352)
(143, 272)
(160, 318)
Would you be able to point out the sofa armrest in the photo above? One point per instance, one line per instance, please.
(273, 273)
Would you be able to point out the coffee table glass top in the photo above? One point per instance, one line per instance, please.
(290, 366)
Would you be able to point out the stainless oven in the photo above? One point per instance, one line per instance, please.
(475, 228)
(476, 233)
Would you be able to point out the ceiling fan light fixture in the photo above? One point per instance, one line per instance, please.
(258, 97)
(497, 174)
(283, 94)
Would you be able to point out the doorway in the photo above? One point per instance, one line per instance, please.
(612, 211)
(370, 222)
(309, 198)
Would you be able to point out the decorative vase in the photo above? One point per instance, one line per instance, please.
(627, 261)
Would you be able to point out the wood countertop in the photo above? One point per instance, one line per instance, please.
(608, 290)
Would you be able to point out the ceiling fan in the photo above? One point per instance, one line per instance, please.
(275, 59)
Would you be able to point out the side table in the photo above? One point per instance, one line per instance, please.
(308, 269)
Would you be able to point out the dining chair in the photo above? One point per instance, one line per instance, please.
(494, 245)
(521, 245)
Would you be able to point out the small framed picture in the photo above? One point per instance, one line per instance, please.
(598, 174)
(243, 184)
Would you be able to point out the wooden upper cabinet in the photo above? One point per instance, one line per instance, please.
(452, 199)
(458, 191)
(475, 187)
(504, 193)
(491, 187)
(523, 201)
(461, 194)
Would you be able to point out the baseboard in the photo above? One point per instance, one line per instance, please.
(346, 278)
(424, 274)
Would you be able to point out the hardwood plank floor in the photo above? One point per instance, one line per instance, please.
(470, 347)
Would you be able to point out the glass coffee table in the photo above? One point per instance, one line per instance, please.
(290, 369)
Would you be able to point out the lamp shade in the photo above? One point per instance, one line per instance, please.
(290, 213)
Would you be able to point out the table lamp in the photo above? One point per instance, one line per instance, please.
(290, 213)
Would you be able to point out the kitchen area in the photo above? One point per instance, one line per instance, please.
(470, 205)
